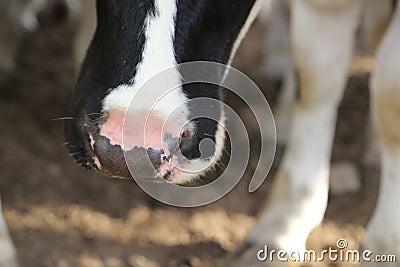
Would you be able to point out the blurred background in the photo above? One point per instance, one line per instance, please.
(60, 215)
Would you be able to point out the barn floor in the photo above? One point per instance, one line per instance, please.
(61, 215)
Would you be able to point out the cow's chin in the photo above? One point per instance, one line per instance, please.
(186, 173)
(179, 170)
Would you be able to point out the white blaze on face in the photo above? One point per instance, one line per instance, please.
(158, 55)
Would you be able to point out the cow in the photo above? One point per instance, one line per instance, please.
(135, 40)
(322, 36)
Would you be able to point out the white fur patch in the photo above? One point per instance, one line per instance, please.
(158, 56)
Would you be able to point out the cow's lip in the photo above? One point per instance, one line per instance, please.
(97, 153)
(168, 169)
(78, 142)
(143, 164)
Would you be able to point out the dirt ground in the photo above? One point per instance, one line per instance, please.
(60, 215)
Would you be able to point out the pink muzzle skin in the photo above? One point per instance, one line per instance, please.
(142, 131)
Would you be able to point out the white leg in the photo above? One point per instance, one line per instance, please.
(383, 231)
(266, 10)
(283, 111)
(322, 44)
(8, 256)
(375, 21)
(278, 65)
(278, 58)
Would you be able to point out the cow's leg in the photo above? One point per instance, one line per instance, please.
(8, 256)
(376, 18)
(278, 65)
(383, 231)
(323, 36)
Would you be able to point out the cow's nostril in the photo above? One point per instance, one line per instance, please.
(196, 146)
(189, 145)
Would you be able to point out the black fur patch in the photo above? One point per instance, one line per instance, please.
(206, 30)
(111, 60)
